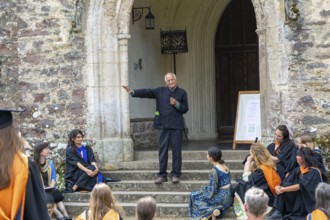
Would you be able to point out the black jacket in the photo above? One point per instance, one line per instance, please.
(169, 116)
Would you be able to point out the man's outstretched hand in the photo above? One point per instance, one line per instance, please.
(128, 90)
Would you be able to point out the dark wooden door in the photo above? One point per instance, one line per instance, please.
(237, 62)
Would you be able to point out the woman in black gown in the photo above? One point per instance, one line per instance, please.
(283, 151)
(296, 194)
(82, 172)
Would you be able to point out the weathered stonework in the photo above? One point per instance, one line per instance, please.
(143, 133)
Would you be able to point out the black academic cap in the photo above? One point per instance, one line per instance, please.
(6, 118)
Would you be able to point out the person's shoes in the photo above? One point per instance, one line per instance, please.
(161, 179)
(175, 179)
(110, 180)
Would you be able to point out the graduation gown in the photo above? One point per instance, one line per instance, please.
(286, 153)
(74, 175)
(296, 205)
(319, 163)
(25, 197)
(257, 179)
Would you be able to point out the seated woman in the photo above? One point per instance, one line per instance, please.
(259, 172)
(307, 141)
(322, 208)
(82, 172)
(296, 194)
(283, 151)
(48, 173)
(217, 195)
(102, 205)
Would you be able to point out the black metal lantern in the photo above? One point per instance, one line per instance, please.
(173, 42)
(149, 18)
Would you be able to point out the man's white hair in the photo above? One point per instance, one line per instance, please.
(174, 76)
(257, 201)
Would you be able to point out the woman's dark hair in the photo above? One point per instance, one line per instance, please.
(38, 147)
(216, 154)
(72, 135)
(284, 130)
(307, 155)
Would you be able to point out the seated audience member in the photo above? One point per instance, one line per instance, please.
(146, 208)
(216, 196)
(296, 194)
(255, 205)
(102, 205)
(82, 172)
(307, 141)
(48, 174)
(22, 195)
(283, 151)
(322, 208)
(260, 172)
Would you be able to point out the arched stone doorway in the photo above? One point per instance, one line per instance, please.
(237, 62)
(107, 67)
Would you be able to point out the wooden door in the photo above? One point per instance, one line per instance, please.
(237, 62)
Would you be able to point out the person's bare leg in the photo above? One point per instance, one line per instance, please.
(61, 207)
(57, 212)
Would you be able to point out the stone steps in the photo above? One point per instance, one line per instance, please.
(168, 210)
(145, 175)
(186, 165)
(191, 155)
(137, 180)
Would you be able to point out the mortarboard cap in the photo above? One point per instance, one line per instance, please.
(6, 117)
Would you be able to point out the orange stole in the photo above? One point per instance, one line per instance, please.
(272, 178)
(317, 215)
(13, 197)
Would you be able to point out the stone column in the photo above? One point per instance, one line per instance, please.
(263, 64)
(128, 151)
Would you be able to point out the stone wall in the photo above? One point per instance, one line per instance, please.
(307, 104)
(143, 133)
(42, 55)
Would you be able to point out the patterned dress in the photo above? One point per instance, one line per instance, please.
(205, 200)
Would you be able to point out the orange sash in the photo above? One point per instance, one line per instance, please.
(272, 177)
(317, 215)
(13, 197)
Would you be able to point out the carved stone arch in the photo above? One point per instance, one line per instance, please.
(259, 12)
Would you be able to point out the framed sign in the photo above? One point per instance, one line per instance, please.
(248, 122)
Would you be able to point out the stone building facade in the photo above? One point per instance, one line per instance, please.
(65, 62)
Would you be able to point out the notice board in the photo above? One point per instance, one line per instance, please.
(248, 119)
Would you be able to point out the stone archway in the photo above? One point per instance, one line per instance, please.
(107, 35)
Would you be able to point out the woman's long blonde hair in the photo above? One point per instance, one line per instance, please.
(101, 201)
(10, 145)
(261, 155)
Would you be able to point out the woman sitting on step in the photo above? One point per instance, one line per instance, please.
(82, 172)
(48, 174)
(216, 195)
(102, 205)
(260, 172)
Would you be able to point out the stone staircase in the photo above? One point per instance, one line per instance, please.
(137, 180)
